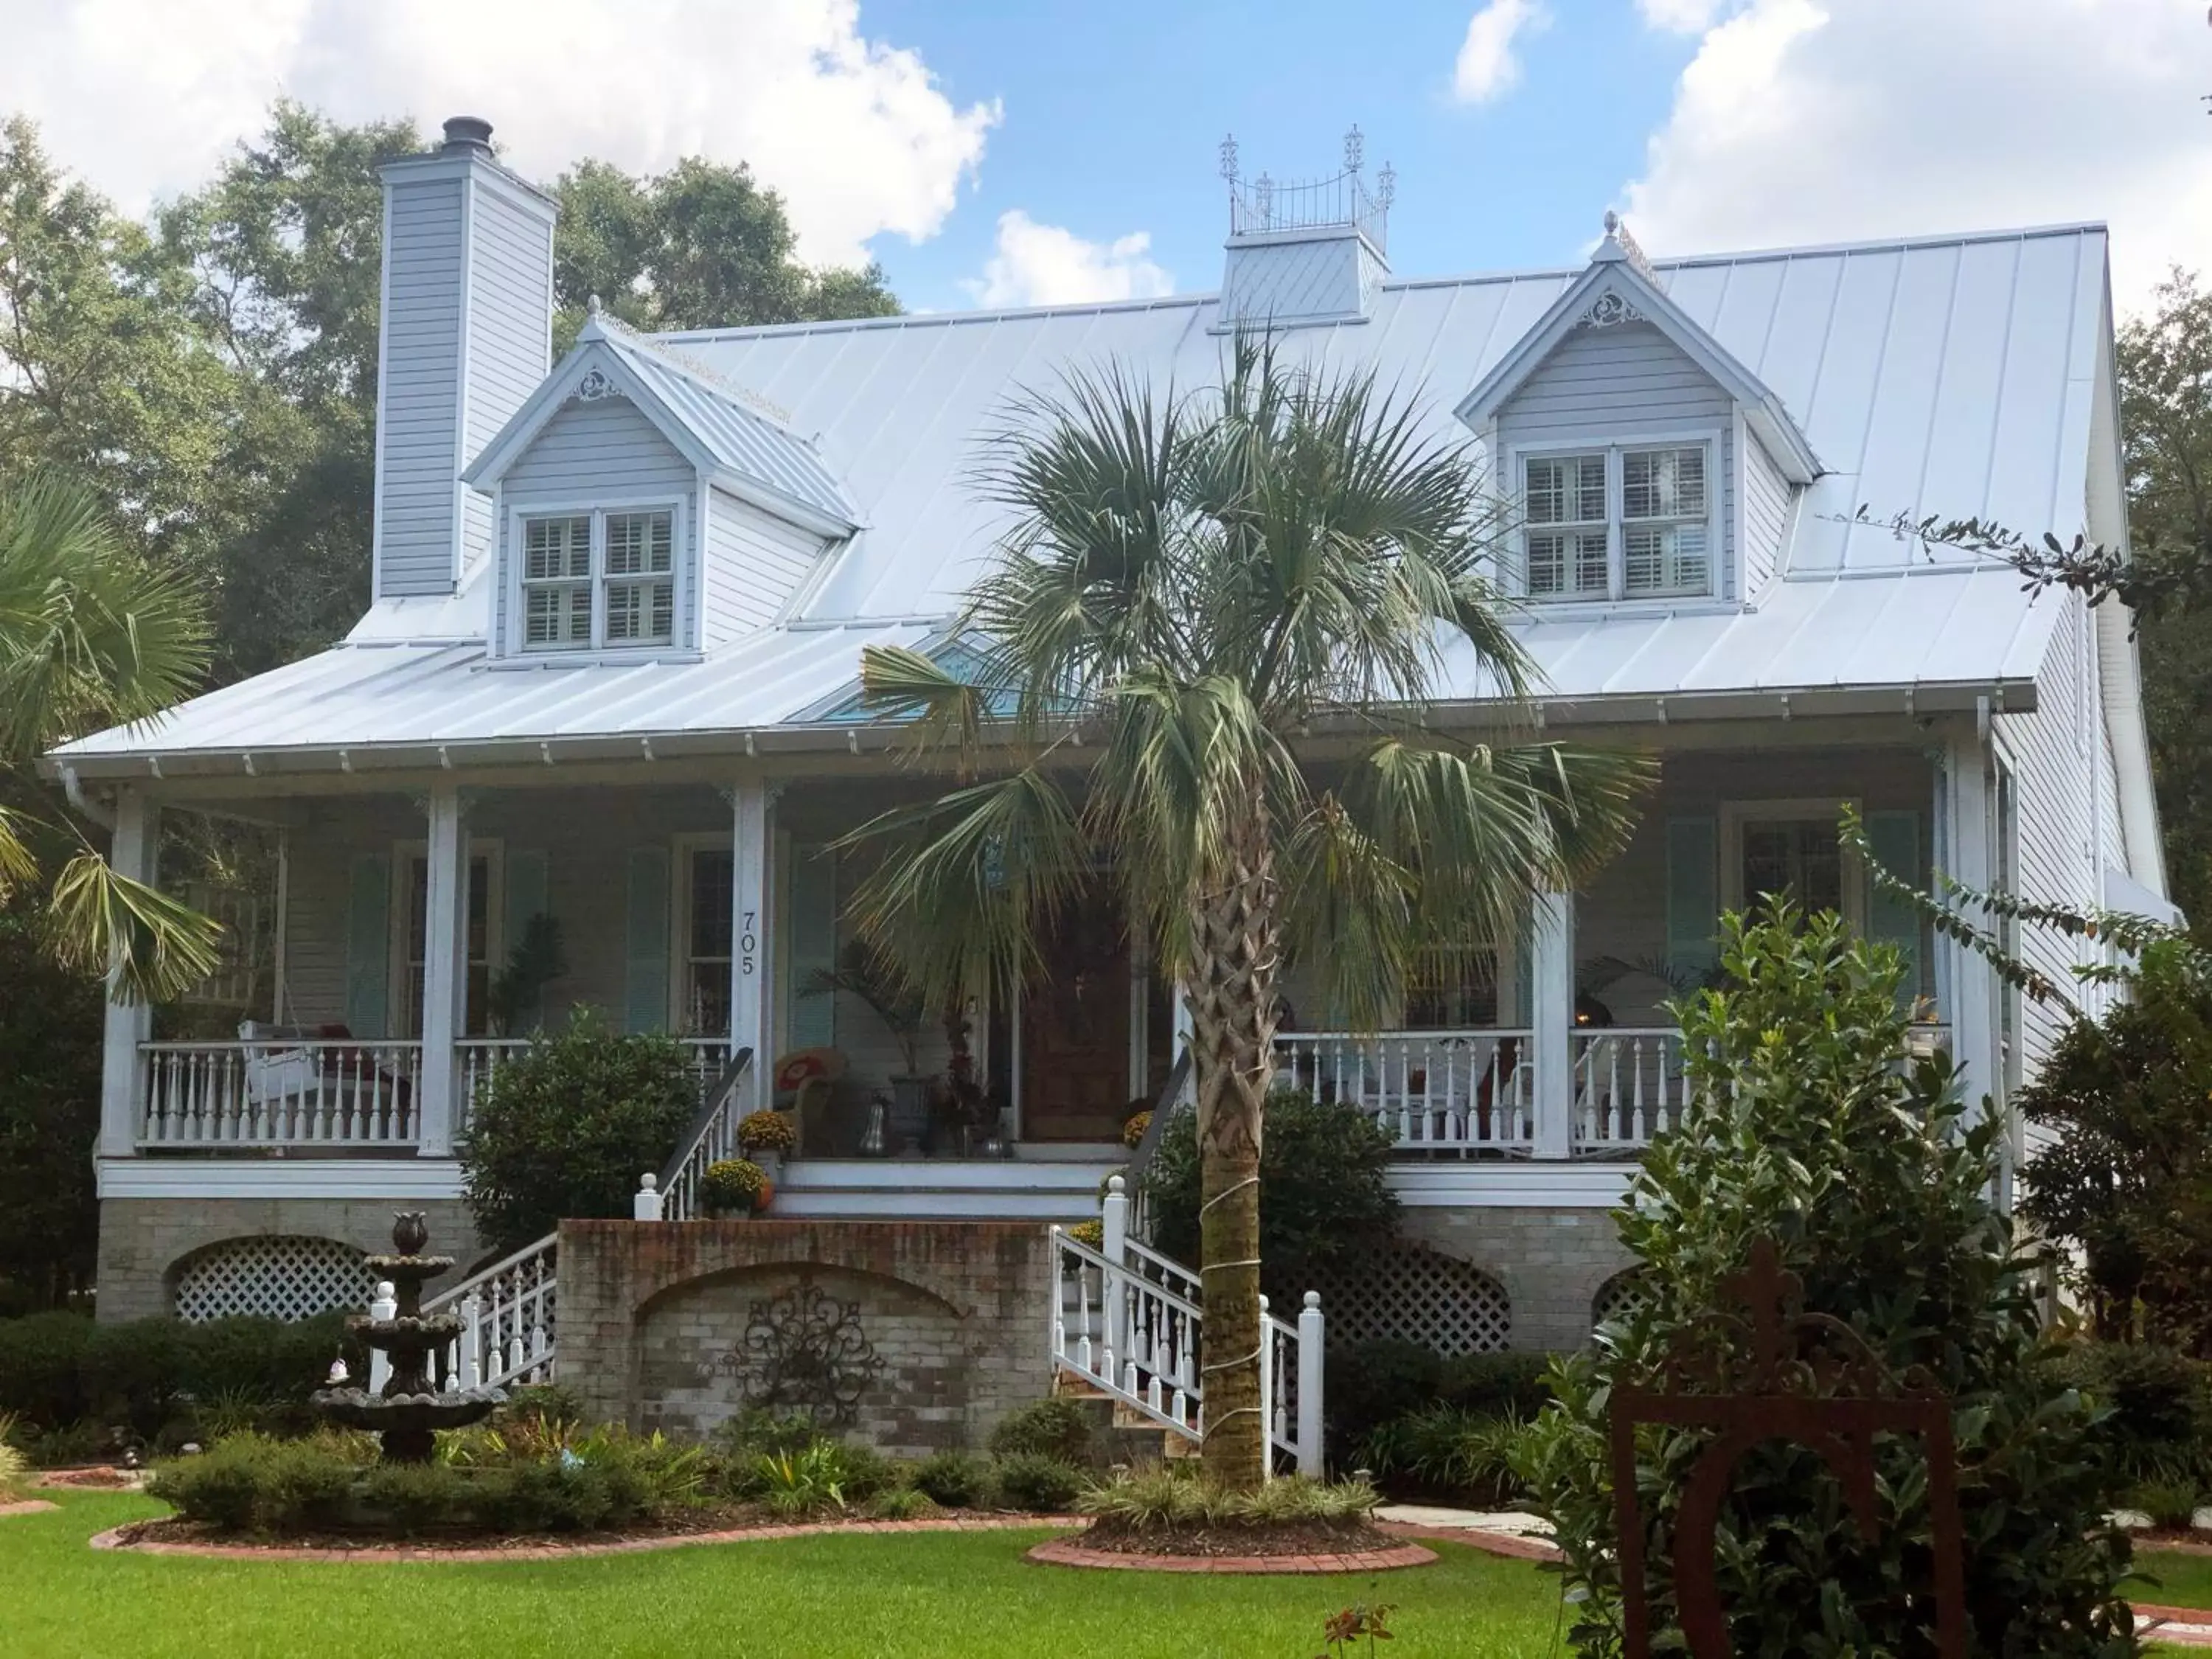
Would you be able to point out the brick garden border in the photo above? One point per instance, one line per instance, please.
(117, 1538)
(28, 1506)
(1065, 1552)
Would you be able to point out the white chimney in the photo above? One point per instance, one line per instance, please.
(1304, 253)
(467, 337)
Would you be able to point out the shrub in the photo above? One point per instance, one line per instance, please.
(1162, 1497)
(1875, 1185)
(543, 1402)
(565, 1127)
(766, 1132)
(1325, 1197)
(868, 1473)
(42, 1367)
(736, 1184)
(1057, 1428)
(414, 1497)
(955, 1479)
(2170, 1504)
(1036, 1482)
(1444, 1449)
(804, 1482)
(900, 1504)
(14, 1473)
(2159, 1425)
(250, 1483)
(742, 1441)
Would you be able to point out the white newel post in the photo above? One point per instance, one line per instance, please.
(445, 969)
(131, 852)
(752, 1012)
(1552, 978)
(1266, 1393)
(384, 1308)
(645, 1203)
(1310, 1385)
(1113, 1244)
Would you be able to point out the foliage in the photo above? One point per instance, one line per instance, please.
(865, 973)
(1341, 1630)
(565, 1127)
(250, 1483)
(1164, 1497)
(755, 1432)
(2171, 1504)
(2157, 1406)
(1133, 1132)
(1875, 1187)
(14, 1471)
(734, 1185)
(802, 1482)
(900, 1504)
(1089, 1233)
(957, 1480)
(2126, 1170)
(1444, 1449)
(517, 992)
(1058, 1427)
(1037, 1482)
(766, 1132)
(50, 1055)
(1187, 586)
(1325, 1194)
(1372, 1384)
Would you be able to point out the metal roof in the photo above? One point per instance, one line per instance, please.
(1947, 376)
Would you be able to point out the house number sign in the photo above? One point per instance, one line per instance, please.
(748, 941)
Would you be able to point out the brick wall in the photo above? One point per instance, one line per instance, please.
(143, 1240)
(654, 1318)
(1552, 1263)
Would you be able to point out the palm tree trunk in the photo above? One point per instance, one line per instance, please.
(1233, 1028)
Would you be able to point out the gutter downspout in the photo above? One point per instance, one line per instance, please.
(84, 804)
(2122, 685)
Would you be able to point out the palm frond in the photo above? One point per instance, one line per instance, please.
(157, 947)
(1350, 916)
(18, 864)
(947, 712)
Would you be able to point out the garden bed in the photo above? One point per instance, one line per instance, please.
(1265, 1550)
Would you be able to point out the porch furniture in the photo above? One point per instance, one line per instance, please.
(809, 1076)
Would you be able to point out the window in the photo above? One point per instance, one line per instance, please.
(1803, 858)
(1452, 988)
(481, 944)
(1617, 522)
(703, 982)
(602, 578)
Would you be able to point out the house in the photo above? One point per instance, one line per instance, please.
(609, 675)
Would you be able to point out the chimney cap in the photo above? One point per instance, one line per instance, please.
(466, 133)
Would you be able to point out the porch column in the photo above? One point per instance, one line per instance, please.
(752, 1006)
(131, 852)
(1972, 1011)
(445, 969)
(1551, 981)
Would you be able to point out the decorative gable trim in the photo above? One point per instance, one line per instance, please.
(1618, 288)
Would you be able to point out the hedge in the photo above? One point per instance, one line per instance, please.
(56, 1369)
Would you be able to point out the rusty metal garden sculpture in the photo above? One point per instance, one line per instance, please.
(1781, 1374)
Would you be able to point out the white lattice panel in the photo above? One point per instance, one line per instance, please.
(273, 1277)
(1415, 1295)
(1619, 1298)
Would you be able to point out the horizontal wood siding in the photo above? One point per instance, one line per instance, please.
(1602, 385)
(754, 564)
(1766, 502)
(605, 450)
(421, 392)
(510, 331)
(319, 863)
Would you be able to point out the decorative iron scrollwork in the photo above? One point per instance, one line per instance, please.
(803, 1351)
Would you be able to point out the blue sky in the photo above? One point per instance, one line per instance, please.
(986, 150)
(1112, 115)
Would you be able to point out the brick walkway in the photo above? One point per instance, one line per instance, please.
(1063, 1553)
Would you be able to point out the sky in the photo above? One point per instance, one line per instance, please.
(1013, 152)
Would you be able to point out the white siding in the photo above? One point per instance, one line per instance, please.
(755, 562)
(1602, 385)
(608, 450)
(420, 403)
(1766, 504)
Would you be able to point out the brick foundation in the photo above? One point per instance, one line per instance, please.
(653, 1318)
(143, 1240)
(1552, 1263)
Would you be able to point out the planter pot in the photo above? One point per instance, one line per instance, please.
(909, 1114)
(771, 1163)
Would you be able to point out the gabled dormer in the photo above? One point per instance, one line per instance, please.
(1648, 465)
(645, 507)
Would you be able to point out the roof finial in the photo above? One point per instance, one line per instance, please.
(1229, 157)
(592, 304)
(1612, 222)
(1355, 150)
(1385, 184)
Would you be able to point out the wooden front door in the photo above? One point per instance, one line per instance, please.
(1075, 1029)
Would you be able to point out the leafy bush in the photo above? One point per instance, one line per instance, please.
(1447, 1449)
(804, 1482)
(545, 1401)
(953, 1480)
(1058, 1427)
(42, 1367)
(1036, 1482)
(1377, 1384)
(2159, 1425)
(869, 1472)
(1162, 1496)
(1875, 1185)
(14, 1472)
(565, 1127)
(2170, 1504)
(900, 1504)
(766, 1132)
(250, 1483)
(1325, 1197)
(732, 1185)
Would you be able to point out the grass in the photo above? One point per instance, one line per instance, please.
(970, 1595)
(2184, 1580)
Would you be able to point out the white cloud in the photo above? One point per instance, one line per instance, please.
(1487, 67)
(1035, 264)
(1805, 122)
(143, 97)
(1680, 16)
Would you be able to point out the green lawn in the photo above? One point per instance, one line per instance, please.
(968, 1595)
(2184, 1580)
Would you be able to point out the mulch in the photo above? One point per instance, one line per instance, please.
(1070, 1552)
(102, 1477)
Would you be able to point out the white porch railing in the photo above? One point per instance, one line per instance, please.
(480, 1057)
(507, 1321)
(1128, 1322)
(279, 1092)
(1440, 1091)
(1629, 1084)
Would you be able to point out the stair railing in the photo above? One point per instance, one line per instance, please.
(673, 1193)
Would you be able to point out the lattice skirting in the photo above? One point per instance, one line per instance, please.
(274, 1276)
(1619, 1298)
(1413, 1294)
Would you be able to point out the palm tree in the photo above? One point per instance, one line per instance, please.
(90, 634)
(1195, 671)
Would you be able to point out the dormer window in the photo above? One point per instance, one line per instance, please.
(1622, 523)
(600, 579)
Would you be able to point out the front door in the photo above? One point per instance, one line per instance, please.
(1075, 1029)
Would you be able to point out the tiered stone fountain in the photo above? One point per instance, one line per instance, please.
(411, 1408)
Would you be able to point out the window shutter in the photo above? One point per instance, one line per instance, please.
(1692, 893)
(525, 897)
(813, 1019)
(369, 944)
(645, 1003)
(1894, 838)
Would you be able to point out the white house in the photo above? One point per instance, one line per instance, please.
(619, 604)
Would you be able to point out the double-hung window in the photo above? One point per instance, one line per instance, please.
(605, 578)
(1623, 523)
